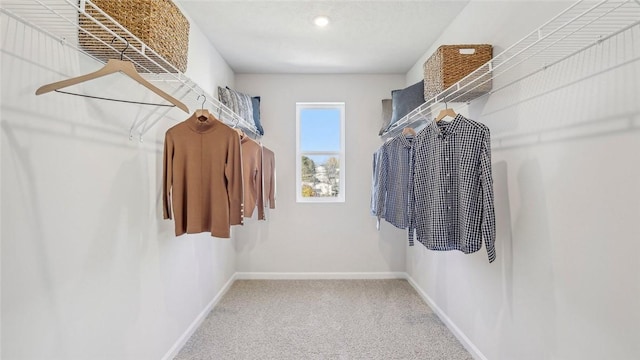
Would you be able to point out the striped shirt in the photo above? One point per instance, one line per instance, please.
(376, 209)
(395, 175)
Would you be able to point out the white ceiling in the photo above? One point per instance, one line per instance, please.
(376, 36)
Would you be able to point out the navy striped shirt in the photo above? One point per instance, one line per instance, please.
(394, 181)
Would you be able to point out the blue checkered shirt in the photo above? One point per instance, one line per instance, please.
(452, 193)
(394, 180)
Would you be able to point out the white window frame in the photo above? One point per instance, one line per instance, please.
(341, 154)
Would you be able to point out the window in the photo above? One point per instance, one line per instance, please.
(320, 152)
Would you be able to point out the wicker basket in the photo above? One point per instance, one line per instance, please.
(159, 24)
(450, 63)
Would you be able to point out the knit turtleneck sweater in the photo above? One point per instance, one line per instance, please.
(202, 177)
(252, 174)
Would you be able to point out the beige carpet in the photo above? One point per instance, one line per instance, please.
(322, 319)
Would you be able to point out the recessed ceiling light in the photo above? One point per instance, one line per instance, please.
(321, 21)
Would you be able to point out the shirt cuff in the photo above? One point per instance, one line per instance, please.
(237, 213)
(491, 252)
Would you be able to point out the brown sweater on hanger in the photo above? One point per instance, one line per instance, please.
(252, 173)
(203, 177)
(269, 174)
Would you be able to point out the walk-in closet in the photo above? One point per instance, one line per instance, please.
(319, 179)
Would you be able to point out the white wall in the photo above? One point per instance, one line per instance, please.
(89, 268)
(339, 237)
(566, 282)
(206, 65)
(91, 271)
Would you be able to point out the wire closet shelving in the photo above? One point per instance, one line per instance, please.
(59, 19)
(579, 27)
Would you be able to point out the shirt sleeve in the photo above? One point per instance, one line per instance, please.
(381, 194)
(374, 184)
(167, 175)
(260, 183)
(488, 211)
(272, 183)
(233, 174)
(411, 197)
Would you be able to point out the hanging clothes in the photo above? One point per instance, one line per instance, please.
(202, 177)
(269, 177)
(376, 206)
(252, 177)
(452, 205)
(394, 172)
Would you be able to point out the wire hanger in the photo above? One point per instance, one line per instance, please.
(237, 129)
(202, 114)
(113, 66)
(445, 112)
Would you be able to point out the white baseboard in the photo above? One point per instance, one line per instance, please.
(318, 275)
(471, 348)
(175, 349)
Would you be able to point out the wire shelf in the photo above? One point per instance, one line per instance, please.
(72, 22)
(581, 26)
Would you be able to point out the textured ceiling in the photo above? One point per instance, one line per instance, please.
(280, 37)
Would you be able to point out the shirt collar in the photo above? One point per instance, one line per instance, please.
(201, 126)
(405, 140)
(448, 129)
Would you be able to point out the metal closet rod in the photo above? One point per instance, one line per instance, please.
(224, 113)
(230, 118)
(64, 41)
(184, 80)
(419, 112)
(81, 7)
(593, 43)
(40, 11)
(494, 68)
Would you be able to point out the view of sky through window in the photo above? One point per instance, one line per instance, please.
(320, 130)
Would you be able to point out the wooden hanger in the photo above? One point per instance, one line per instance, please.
(408, 131)
(445, 112)
(240, 133)
(113, 66)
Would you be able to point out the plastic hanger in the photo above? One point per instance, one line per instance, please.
(113, 66)
(445, 112)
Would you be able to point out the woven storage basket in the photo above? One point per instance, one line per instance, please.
(159, 24)
(450, 63)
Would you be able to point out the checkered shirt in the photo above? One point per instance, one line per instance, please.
(452, 193)
(395, 173)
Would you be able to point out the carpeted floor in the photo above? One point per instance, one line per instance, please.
(322, 319)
